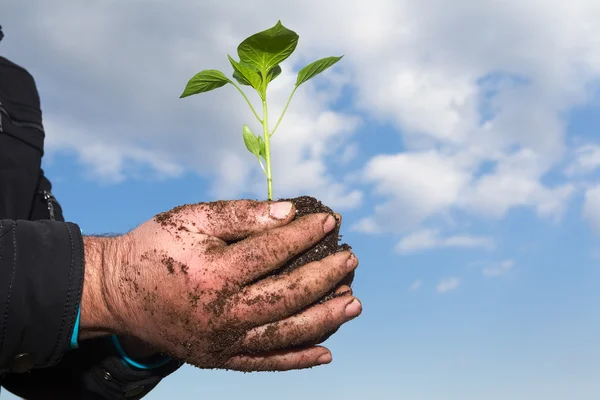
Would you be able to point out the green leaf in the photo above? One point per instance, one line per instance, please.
(265, 50)
(205, 81)
(251, 141)
(245, 74)
(241, 80)
(315, 68)
(273, 73)
(263, 150)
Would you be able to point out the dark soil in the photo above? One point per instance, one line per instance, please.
(330, 244)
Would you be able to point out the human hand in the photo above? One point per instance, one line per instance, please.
(176, 284)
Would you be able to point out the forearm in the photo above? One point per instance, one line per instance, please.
(98, 306)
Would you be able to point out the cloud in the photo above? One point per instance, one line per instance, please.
(448, 284)
(108, 162)
(464, 83)
(419, 184)
(110, 85)
(516, 182)
(587, 160)
(498, 270)
(428, 239)
(468, 92)
(591, 207)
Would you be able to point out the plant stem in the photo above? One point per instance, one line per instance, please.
(267, 138)
(284, 109)
(247, 101)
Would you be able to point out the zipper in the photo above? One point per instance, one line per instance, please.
(49, 197)
(21, 124)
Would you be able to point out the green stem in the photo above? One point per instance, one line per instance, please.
(247, 101)
(284, 110)
(267, 138)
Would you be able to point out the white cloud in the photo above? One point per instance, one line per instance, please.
(419, 184)
(587, 160)
(498, 270)
(109, 162)
(433, 91)
(115, 72)
(366, 225)
(516, 182)
(591, 207)
(469, 91)
(448, 284)
(421, 240)
(428, 239)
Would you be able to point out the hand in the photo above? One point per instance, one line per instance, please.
(175, 283)
(139, 350)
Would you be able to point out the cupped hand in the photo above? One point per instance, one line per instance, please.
(196, 283)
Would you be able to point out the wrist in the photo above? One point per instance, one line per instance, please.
(96, 316)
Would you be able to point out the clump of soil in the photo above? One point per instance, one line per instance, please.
(329, 245)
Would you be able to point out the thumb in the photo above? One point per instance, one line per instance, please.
(236, 219)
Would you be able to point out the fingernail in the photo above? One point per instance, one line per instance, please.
(329, 224)
(352, 262)
(324, 359)
(353, 308)
(280, 210)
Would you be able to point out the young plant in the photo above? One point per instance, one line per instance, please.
(260, 57)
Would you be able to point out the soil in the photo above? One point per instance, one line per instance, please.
(329, 245)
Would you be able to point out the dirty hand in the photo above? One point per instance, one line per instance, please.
(193, 284)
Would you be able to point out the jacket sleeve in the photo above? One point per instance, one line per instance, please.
(41, 279)
(97, 369)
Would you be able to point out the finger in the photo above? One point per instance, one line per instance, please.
(342, 290)
(305, 327)
(350, 278)
(280, 296)
(235, 219)
(338, 217)
(264, 252)
(281, 361)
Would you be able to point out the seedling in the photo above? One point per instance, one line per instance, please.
(260, 56)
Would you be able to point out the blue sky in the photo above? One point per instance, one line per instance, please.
(460, 142)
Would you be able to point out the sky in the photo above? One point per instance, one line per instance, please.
(459, 140)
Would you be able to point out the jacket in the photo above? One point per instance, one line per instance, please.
(41, 274)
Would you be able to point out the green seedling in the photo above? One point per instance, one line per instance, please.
(260, 57)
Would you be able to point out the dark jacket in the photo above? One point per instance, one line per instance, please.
(41, 273)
